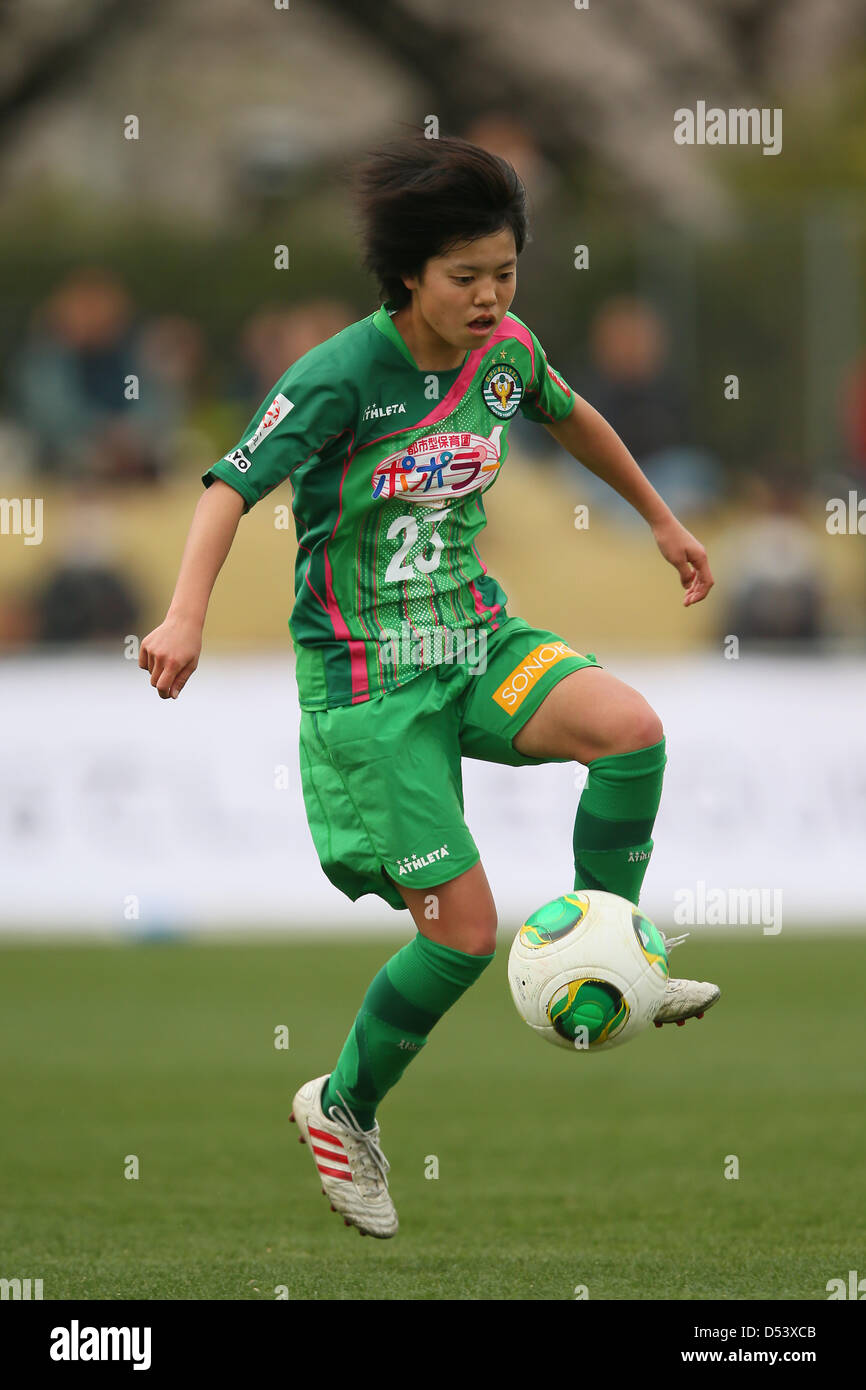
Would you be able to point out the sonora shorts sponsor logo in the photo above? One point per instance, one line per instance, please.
(520, 681)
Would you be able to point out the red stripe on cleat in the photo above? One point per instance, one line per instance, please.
(292, 1118)
(700, 1015)
(329, 1154)
(680, 1022)
(659, 1025)
(333, 1208)
(346, 1221)
(328, 1138)
(334, 1172)
(301, 1139)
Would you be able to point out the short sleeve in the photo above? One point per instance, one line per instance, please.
(548, 396)
(310, 407)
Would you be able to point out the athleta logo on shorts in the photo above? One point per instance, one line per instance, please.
(438, 465)
(413, 861)
(514, 688)
(277, 410)
(502, 389)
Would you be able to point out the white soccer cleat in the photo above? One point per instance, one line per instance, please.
(684, 999)
(352, 1167)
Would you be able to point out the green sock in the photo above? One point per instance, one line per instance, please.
(614, 821)
(408, 996)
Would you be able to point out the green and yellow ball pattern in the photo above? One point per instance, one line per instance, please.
(554, 920)
(590, 1010)
(651, 942)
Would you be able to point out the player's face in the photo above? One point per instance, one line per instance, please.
(464, 294)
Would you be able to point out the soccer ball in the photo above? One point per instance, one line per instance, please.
(588, 971)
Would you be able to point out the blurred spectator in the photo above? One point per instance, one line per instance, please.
(854, 416)
(71, 383)
(503, 134)
(170, 352)
(630, 383)
(273, 338)
(772, 568)
(86, 596)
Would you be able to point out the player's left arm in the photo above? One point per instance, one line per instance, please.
(594, 443)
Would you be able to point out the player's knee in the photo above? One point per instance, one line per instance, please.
(644, 727)
(483, 943)
(637, 726)
(478, 938)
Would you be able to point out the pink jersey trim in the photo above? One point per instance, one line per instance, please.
(518, 331)
(317, 597)
(509, 328)
(357, 648)
(480, 605)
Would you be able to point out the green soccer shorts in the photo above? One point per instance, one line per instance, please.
(382, 780)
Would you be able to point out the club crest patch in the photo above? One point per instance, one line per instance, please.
(502, 389)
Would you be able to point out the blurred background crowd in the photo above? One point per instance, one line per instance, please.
(146, 321)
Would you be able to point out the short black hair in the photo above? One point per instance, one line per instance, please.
(416, 198)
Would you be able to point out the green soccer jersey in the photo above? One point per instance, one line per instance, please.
(388, 466)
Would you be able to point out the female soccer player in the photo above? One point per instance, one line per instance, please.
(406, 659)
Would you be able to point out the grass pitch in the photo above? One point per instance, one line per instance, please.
(554, 1170)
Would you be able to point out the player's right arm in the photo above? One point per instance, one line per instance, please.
(313, 403)
(171, 652)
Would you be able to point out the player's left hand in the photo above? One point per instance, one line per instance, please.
(688, 557)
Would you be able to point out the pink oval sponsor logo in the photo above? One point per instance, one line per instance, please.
(438, 465)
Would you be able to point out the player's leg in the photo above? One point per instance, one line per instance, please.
(454, 944)
(588, 714)
(539, 701)
(593, 718)
(383, 791)
(460, 914)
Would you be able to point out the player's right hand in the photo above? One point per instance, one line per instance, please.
(170, 653)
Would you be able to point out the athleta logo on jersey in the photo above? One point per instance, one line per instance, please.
(375, 412)
(502, 389)
(277, 410)
(438, 465)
